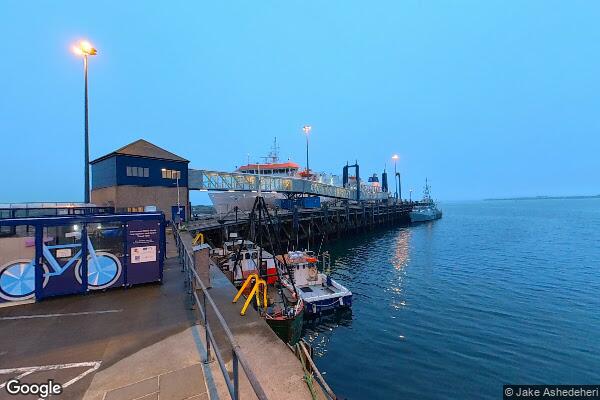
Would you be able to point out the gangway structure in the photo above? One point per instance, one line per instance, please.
(205, 180)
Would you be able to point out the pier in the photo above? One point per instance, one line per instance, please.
(311, 225)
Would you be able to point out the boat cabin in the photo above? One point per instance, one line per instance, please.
(278, 169)
(303, 265)
(248, 263)
(232, 246)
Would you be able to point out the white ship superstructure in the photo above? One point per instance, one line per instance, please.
(226, 202)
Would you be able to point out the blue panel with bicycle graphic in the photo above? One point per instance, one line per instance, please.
(89, 254)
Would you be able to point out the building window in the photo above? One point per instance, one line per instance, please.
(138, 171)
(171, 174)
(135, 209)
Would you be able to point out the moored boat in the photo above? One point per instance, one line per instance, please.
(284, 311)
(319, 292)
(426, 209)
(253, 269)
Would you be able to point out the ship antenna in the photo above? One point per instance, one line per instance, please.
(274, 155)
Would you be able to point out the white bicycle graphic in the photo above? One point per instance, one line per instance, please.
(17, 278)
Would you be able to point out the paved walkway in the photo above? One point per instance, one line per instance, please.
(120, 344)
(168, 370)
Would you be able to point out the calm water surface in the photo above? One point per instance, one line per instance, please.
(495, 292)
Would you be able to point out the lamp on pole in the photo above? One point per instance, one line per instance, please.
(410, 195)
(395, 158)
(85, 49)
(306, 129)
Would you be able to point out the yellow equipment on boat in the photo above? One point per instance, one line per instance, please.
(258, 283)
(199, 239)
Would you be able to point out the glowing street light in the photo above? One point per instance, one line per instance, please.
(307, 129)
(85, 49)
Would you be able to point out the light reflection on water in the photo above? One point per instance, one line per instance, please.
(400, 261)
(402, 253)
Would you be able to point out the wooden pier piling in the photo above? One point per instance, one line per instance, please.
(300, 227)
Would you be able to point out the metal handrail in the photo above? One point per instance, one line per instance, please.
(192, 279)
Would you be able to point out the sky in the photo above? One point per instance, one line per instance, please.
(484, 98)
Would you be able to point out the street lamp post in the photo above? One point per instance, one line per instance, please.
(306, 129)
(395, 158)
(410, 195)
(177, 175)
(399, 187)
(178, 202)
(85, 49)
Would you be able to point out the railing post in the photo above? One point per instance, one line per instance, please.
(206, 328)
(191, 289)
(181, 252)
(236, 381)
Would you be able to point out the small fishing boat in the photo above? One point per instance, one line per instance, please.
(252, 268)
(284, 311)
(319, 292)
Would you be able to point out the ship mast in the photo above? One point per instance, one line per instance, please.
(274, 154)
(426, 194)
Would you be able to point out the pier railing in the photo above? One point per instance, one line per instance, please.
(195, 285)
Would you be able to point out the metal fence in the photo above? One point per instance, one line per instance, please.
(195, 285)
(29, 210)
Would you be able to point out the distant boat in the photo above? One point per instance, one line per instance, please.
(426, 209)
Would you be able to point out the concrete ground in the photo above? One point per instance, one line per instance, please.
(120, 344)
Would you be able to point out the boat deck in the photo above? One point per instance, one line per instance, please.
(318, 291)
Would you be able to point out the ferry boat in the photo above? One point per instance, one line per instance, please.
(426, 209)
(319, 292)
(225, 202)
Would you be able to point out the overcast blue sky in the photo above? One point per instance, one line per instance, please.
(486, 98)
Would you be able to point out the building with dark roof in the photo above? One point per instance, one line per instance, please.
(139, 175)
